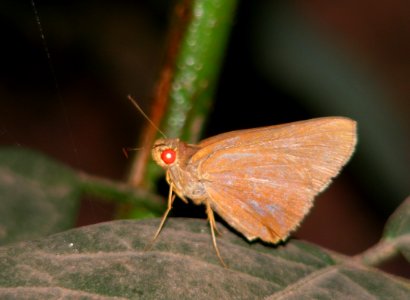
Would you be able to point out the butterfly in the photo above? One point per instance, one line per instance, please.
(261, 181)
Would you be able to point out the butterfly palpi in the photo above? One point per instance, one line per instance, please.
(261, 181)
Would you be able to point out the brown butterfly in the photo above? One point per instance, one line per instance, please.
(261, 181)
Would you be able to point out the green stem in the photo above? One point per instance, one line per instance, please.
(196, 71)
(197, 67)
(381, 252)
(121, 192)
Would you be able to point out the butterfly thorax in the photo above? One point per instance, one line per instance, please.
(181, 173)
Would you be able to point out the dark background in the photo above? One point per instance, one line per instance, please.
(284, 62)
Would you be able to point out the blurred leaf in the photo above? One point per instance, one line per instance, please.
(107, 260)
(38, 195)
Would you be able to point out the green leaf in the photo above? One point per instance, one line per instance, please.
(108, 260)
(38, 195)
(397, 230)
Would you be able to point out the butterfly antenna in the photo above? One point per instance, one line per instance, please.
(126, 150)
(145, 116)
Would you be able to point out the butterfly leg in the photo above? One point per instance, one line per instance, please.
(168, 178)
(171, 198)
(212, 223)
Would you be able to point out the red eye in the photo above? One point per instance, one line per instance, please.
(168, 156)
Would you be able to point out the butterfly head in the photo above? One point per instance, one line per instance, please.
(165, 152)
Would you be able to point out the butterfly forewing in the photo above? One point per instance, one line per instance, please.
(263, 181)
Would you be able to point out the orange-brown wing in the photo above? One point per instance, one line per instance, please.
(263, 181)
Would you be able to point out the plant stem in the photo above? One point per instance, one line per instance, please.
(381, 252)
(107, 189)
(193, 76)
(197, 67)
